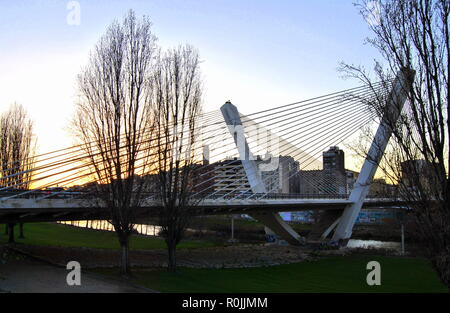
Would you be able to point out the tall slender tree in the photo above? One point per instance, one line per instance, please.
(176, 101)
(17, 151)
(114, 120)
(414, 34)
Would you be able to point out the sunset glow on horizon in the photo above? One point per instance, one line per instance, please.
(42, 53)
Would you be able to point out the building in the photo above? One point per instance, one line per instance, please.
(311, 183)
(333, 179)
(230, 177)
(334, 174)
(415, 169)
(285, 179)
(418, 175)
(351, 176)
(203, 178)
(334, 160)
(381, 189)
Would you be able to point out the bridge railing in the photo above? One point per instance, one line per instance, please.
(62, 194)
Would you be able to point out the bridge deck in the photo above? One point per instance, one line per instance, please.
(32, 210)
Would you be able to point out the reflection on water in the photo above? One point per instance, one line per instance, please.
(148, 230)
(374, 244)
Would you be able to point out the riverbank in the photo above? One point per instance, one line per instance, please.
(247, 230)
(58, 244)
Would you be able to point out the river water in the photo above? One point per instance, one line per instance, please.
(152, 230)
(148, 230)
(373, 244)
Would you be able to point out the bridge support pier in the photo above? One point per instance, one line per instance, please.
(321, 228)
(275, 223)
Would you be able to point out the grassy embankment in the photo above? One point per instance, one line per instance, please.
(50, 234)
(331, 274)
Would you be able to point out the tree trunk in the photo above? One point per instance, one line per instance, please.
(21, 236)
(172, 265)
(442, 265)
(11, 233)
(125, 257)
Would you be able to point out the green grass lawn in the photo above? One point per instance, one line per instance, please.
(50, 234)
(333, 274)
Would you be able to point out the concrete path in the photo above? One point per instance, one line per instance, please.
(29, 276)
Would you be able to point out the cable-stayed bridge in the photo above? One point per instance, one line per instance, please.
(258, 164)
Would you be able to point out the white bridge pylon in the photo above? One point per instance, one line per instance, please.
(271, 220)
(393, 108)
(343, 226)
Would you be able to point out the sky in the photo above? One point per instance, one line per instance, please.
(257, 53)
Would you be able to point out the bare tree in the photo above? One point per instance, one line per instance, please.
(113, 120)
(17, 151)
(414, 34)
(177, 104)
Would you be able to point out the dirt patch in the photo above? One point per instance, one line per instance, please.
(216, 257)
